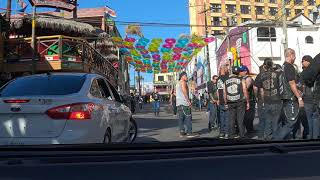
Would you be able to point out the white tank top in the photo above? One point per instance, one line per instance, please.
(181, 99)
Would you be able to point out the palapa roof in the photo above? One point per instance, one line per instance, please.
(47, 25)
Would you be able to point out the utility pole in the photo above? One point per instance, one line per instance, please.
(33, 40)
(8, 14)
(284, 25)
(207, 46)
(228, 32)
(139, 83)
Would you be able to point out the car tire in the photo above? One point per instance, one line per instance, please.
(107, 137)
(133, 131)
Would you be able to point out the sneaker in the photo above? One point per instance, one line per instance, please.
(192, 135)
(236, 137)
(182, 134)
(221, 136)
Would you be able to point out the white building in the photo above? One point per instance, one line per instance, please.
(267, 42)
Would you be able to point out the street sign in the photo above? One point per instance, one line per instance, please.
(61, 4)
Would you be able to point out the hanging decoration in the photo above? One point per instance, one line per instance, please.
(158, 55)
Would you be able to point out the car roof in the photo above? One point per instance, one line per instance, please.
(62, 74)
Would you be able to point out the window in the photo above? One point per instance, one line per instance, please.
(216, 21)
(160, 78)
(259, 10)
(288, 12)
(44, 85)
(309, 40)
(298, 2)
(311, 2)
(264, 34)
(273, 11)
(115, 93)
(231, 8)
(95, 89)
(245, 9)
(245, 19)
(215, 32)
(297, 11)
(104, 89)
(216, 8)
(272, 1)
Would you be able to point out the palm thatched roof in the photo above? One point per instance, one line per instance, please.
(47, 25)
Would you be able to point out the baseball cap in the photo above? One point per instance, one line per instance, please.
(235, 70)
(243, 69)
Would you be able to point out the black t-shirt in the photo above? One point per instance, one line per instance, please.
(155, 96)
(289, 72)
(257, 82)
(220, 86)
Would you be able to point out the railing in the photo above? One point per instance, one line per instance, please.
(98, 64)
(73, 53)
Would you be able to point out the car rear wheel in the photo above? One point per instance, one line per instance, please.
(107, 137)
(133, 131)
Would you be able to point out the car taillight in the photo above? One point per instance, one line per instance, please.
(16, 101)
(78, 111)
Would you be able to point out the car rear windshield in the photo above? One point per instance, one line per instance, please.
(43, 85)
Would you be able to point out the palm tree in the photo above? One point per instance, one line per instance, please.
(134, 29)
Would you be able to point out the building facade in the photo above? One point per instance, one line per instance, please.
(221, 13)
(251, 46)
(164, 82)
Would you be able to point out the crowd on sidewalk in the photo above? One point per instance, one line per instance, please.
(287, 101)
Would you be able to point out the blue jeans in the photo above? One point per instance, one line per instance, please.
(185, 119)
(291, 111)
(272, 114)
(224, 120)
(156, 106)
(213, 108)
(262, 121)
(313, 120)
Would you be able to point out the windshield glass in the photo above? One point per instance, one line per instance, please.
(43, 85)
(145, 71)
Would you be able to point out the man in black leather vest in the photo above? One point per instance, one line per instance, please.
(249, 114)
(311, 96)
(236, 96)
(292, 98)
(269, 89)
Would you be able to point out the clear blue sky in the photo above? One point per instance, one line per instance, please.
(164, 11)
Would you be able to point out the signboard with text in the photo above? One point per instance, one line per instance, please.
(61, 4)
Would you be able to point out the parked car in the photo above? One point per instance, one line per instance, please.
(63, 108)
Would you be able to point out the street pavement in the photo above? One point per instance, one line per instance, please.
(164, 128)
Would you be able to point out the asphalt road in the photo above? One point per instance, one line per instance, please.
(165, 127)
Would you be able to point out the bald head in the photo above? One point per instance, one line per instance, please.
(290, 55)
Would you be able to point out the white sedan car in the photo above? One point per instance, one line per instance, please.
(63, 108)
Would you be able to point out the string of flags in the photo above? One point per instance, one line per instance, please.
(160, 55)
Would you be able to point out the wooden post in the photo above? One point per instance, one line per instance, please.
(8, 14)
(33, 41)
(75, 11)
(60, 45)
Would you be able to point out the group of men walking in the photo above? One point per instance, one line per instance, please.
(280, 94)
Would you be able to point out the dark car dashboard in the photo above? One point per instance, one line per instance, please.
(201, 159)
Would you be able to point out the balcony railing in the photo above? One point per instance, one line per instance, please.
(57, 53)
